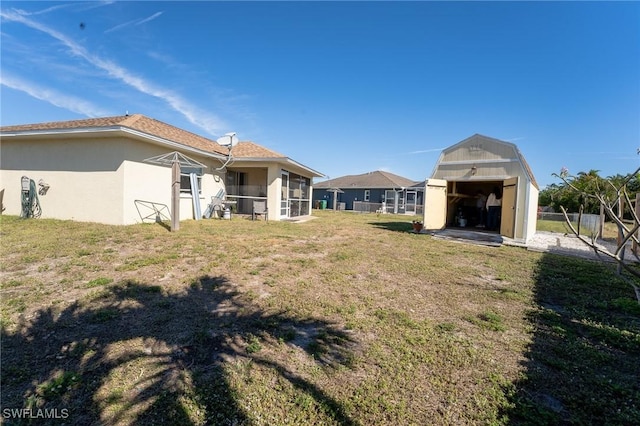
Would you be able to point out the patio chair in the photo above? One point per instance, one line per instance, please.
(260, 208)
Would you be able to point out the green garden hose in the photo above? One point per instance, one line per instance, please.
(30, 202)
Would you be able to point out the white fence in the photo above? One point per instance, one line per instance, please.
(367, 207)
(589, 223)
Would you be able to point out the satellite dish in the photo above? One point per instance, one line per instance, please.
(229, 139)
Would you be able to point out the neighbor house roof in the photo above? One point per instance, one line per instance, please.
(140, 125)
(370, 180)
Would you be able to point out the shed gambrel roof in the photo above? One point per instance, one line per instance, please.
(477, 141)
(370, 180)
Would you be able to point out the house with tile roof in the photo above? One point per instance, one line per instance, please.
(371, 192)
(107, 170)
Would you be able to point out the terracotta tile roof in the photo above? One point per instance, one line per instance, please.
(137, 122)
(377, 179)
(252, 150)
(159, 129)
(73, 124)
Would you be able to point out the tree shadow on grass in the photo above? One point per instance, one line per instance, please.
(134, 355)
(583, 365)
(394, 226)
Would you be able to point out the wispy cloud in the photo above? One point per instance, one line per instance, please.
(52, 8)
(52, 96)
(203, 119)
(133, 22)
(83, 6)
(150, 18)
(424, 151)
(120, 26)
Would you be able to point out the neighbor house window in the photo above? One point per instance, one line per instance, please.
(185, 179)
(390, 197)
(367, 193)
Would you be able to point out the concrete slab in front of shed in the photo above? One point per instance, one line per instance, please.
(469, 236)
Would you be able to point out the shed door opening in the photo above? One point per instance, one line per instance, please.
(435, 204)
(509, 201)
(447, 201)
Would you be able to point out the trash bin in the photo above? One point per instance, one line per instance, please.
(323, 204)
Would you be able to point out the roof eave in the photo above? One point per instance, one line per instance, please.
(281, 160)
(105, 131)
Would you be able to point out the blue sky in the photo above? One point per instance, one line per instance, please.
(342, 87)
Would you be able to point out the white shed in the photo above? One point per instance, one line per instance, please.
(479, 164)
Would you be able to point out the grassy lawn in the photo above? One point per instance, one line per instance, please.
(346, 319)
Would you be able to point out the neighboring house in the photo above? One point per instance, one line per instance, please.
(97, 170)
(480, 163)
(372, 191)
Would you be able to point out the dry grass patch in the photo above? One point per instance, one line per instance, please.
(347, 319)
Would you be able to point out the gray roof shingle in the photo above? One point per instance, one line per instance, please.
(370, 180)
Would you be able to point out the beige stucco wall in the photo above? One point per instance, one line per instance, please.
(274, 187)
(98, 178)
(91, 181)
(85, 177)
(150, 182)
